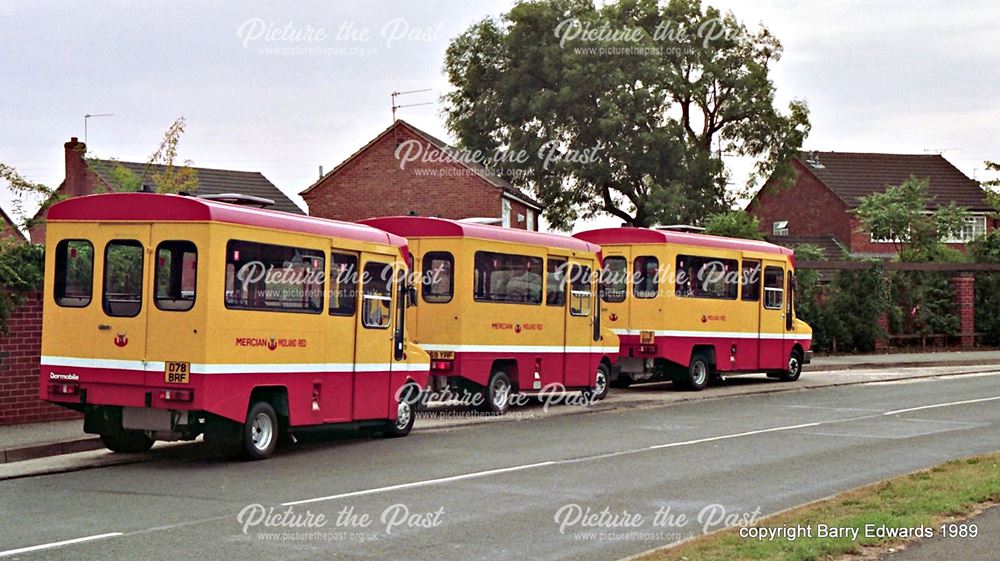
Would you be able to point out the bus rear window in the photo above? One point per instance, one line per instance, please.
(646, 274)
(74, 278)
(614, 277)
(123, 264)
(176, 275)
(502, 277)
(750, 279)
(269, 277)
(437, 275)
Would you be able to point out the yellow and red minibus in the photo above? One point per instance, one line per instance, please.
(169, 316)
(690, 307)
(503, 311)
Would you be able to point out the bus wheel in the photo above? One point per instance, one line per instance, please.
(406, 413)
(497, 393)
(600, 389)
(794, 367)
(126, 441)
(698, 373)
(260, 431)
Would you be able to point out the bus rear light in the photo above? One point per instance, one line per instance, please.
(647, 349)
(440, 365)
(176, 395)
(64, 389)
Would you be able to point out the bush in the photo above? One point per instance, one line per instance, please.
(986, 249)
(22, 269)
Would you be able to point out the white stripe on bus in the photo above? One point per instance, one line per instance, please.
(717, 334)
(258, 368)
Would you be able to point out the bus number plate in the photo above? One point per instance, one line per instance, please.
(647, 337)
(442, 355)
(177, 372)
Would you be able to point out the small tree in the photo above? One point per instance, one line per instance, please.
(734, 224)
(986, 249)
(168, 177)
(900, 214)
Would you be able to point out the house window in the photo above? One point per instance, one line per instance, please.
(974, 227)
(505, 216)
(780, 228)
(531, 220)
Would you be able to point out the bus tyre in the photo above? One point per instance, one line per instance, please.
(497, 393)
(126, 441)
(698, 374)
(406, 413)
(259, 437)
(600, 389)
(794, 367)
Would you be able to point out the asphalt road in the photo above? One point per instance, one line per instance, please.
(495, 490)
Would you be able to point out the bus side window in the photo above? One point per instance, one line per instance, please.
(123, 263)
(646, 269)
(579, 304)
(437, 277)
(343, 284)
(614, 279)
(176, 275)
(376, 301)
(774, 282)
(555, 282)
(74, 282)
(750, 281)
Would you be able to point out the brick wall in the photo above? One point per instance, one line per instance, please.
(372, 184)
(965, 301)
(20, 352)
(810, 208)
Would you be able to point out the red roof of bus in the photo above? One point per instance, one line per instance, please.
(424, 227)
(628, 236)
(151, 207)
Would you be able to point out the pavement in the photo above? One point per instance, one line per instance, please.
(983, 547)
(31, 441)
(604, 485)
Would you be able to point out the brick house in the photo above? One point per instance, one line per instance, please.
(374, 182)
(82, 180)
(816, 207)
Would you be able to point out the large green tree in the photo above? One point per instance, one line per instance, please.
(624, 108)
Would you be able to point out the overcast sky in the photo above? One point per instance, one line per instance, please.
(889, 76)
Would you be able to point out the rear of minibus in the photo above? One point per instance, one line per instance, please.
(116, 293)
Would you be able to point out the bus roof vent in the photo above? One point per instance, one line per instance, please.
(686, 228)
(238, 199)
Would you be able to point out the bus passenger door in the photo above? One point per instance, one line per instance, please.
(580, 365)
(336, 388)
(772, 317)
(374, 346)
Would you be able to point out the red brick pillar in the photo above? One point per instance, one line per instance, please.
(963, 284)
(882, 340)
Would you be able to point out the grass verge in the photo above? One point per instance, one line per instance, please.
(925, 498)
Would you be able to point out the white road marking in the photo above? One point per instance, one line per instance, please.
(937, 405)
(424, 483)
(52, 545)
(486, 473)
